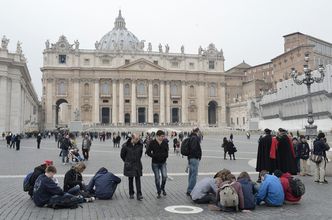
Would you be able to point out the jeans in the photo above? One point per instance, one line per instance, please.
(193, 172)
(138, 185)
(64, 154)
(157, 169)
(209, 198)
(75, 190)
(85, 154)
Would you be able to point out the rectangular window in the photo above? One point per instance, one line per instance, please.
(244, 120)
(127, 101)
(155, 101)
(232, 121)
(127, 61)
(237, 121)
(175, 102)
(155, 62)
(211, 65)
(105, 101)
(175, 64)
(86, 61)
(34, 110)
(191, 65)
(106, 61)
(62, 59)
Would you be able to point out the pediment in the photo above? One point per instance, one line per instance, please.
(141, 65)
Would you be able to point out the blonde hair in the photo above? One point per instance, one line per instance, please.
(79, 167)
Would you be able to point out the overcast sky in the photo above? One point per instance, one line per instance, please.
(249, 30)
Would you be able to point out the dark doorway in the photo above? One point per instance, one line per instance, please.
(127, 118)
(212, 113)
(156, 118)
(175, 115)
(141, 115)
(105, 115)
(57, 108)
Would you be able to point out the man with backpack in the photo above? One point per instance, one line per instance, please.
(31, 178)
(270, 190)
(304, 151)
(191, 147)
(320, 148)
(86, 145)
(293, 187)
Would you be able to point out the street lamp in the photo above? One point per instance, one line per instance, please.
(308, 79)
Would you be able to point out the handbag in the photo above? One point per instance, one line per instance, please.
(316, 158)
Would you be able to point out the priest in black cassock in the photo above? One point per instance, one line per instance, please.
(264, 161)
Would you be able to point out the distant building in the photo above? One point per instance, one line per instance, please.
(19, 112)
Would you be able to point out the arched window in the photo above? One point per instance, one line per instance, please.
(213, 90)
(174, 90)
(105, 88)
(126, 90)
(155, 90)
(86, 89)
(141, 88)
(62, 88)
(191, 91)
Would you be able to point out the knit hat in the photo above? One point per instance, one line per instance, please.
(48, 162)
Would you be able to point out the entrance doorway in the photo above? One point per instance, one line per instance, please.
(105, 115)
(212, 112)
(141, 115)
(175, 115)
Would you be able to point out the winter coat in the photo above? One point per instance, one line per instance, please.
(284, 179)
(131, 156)
(248, 190)
(44, 189)
(304, 150)
(270, 191)
(36, 173)
(320, 147)
(86, 144)
(103, 184)
(65, 144)
(159, 153)
(195, 150)
(230, 147)
(72, 178)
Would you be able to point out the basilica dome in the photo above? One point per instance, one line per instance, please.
(119, 38)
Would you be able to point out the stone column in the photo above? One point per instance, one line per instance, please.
(133, 102)
(150, 102)
(168, 104)
(162, 102)
(114, 103)
(184, 109)
(222, 117)
(96, 111)
(121, 102)
(76, 100)
(201, 104)
(49, 113)
(3, 100)
(15, 107)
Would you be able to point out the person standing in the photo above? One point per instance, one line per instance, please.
(131, 154)
(39, 137)
(231, 149)
(231, 137)
(65, 145)
(8, 139)
(18, 141)
(320, 148)
(195, 155)
(264, 162)
(86, 145)
(304, 150)
(158, 151)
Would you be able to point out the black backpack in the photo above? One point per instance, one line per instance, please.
(297, 187)
(65, 202)
(185, 147)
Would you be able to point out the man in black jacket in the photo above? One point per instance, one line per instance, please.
(158, 150)
(194, 157)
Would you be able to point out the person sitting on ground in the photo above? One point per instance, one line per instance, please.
(248, 189)
(73, 182)
(270, 190)
(36, 173)
(284, 179)
(205, 190)
(230, 185)
(46, 190)
(103, 184)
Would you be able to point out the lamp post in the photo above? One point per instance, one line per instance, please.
(308, 79)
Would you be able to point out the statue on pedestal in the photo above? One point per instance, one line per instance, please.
(19, 47)
(149, 47)
(166, 48)
(47, 44)
(77, 44)
(160, 48)
(4, 42)
(182, 49)
(200, 50)
(97, 45)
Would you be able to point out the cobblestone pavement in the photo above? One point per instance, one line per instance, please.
(15, 204)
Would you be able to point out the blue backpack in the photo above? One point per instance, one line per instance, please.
(26, 182)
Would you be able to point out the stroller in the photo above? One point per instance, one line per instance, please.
(74, 155)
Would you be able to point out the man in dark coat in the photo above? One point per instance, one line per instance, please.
(103, 184)
(39, 137)
(285, 154)
(264, 162)
(36, 173)
(131, 154)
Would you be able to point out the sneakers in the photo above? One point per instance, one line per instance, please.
(324, 182)
(188, 193)
(164, 193)
(91, 199)
(131, 196)
(158, 196)
(139, 197)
